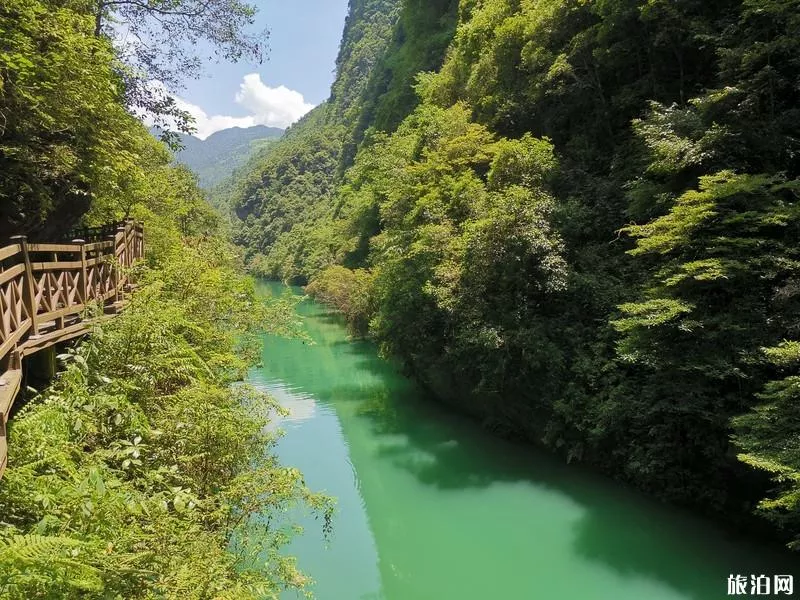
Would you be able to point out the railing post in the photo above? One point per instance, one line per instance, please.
(119, 263)
(130, 240)
(64, 293)
(113, 264)
(3, 445)
(84, 284)
(28, 288)
(15, 359)
(141, 239)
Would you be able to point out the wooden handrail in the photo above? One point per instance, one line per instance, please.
(45, 289)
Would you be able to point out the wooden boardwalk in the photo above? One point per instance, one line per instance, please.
(46, 291)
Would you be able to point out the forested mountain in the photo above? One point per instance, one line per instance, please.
(580, 225)
(223, 152)
(284, 200)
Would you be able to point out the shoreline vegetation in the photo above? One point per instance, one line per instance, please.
(577, 219)
(131, 475)
(135, 473)
(441, 388)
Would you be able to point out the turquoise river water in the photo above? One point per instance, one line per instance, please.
(430, 507)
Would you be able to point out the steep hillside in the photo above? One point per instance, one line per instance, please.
(283, 198)
(128, 472)
(582, 228)
(221, 153)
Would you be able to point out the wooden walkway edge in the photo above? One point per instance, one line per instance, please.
(46, 290)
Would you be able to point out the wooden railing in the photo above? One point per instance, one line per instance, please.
(46, 291)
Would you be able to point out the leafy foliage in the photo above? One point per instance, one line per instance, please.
(66, 141)
(131, 476)
(158, 52)
(349, 291)
(770, 439)
(583, 229)
(136, 473)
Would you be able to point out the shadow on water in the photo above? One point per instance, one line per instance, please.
(633, 536)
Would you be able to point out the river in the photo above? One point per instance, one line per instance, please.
(430, 507)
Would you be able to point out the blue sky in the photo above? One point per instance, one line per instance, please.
(304, 41)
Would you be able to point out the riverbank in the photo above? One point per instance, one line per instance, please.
(129, 475)
(431, 506)
(341, 292)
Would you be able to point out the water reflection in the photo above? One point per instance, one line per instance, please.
(431, 507)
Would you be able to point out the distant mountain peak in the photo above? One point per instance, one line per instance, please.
(216, 157)
(254, 132)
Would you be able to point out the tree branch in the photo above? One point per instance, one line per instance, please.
(153, 9)
(98, 18)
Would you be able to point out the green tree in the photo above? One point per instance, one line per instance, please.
(769, 437)
(157, 53)
(65, 137)
(136, 473)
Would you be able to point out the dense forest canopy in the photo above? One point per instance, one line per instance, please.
(134, 473)
(68, 87)
(581, 226)
(576, 221)
(215, 158)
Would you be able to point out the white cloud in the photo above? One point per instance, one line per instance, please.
(274, 107)
(206, 125)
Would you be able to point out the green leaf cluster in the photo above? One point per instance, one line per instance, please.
(583, 230)
(136, 473)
